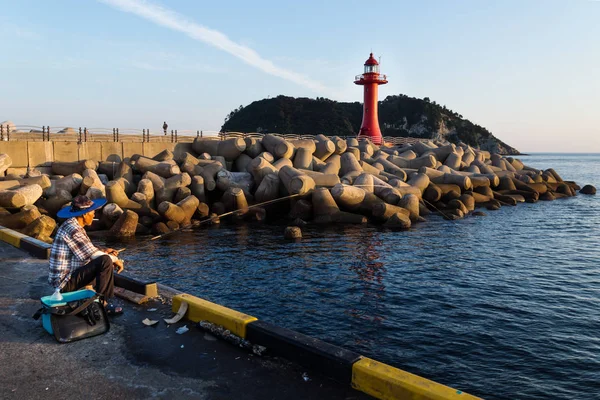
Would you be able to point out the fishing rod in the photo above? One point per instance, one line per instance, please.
(196, 224)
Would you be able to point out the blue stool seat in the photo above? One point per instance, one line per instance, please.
(67, 298)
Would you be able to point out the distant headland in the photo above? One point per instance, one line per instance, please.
(399, 116)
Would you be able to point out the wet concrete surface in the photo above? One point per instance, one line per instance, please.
(132, 361)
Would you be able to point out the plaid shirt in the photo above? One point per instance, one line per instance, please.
(71, 249)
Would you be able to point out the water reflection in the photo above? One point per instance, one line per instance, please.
(370, 272)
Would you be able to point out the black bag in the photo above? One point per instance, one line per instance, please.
(76, 320)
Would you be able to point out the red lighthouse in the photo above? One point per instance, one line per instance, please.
(371, 79)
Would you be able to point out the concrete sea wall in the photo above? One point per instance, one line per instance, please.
(41, 155)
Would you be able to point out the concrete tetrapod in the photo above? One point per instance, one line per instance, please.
(253, 147)
(115, 193)
(374, 169)
(41, 180)
(267, 156)
(277, 146)
(420, 181)
(349, 178)
(164, 169)
(125, 173)
(41, 228)
(383, 211)
(165, 155)
(588, 189)
(181, 212)
(21, 219)
(235, 200)
(385, 191)
(324, 147)
(331, 168)
(170, 186)
(325, 210)
(22, 196)
(462, 181)
(69, 183)
(307, 144)
(209, 173)
(110, 214)
(229, 149)
(146, 187)
(259, 168)
(197, 188)
(75, 167)
(410, 202)
(365, 182)
(453, 160)
(354, 151)
(181, 193)
(95, 193)
(125, 226)
(340, 145)
(296, 181)
(348, 197)
(424, 161)
(188, 158)
(391, 168)
(91, 180)
(268, 188)
(323, 203)
(335, 159)
(349, 163)
(241, 163)
(398, 221)
(404, 188)
(55, 202)
(292, 233)
(432, 193)
(10, 184)
(478, 179)
(448, 188)
(303, 159)
(323, 180)
(202, 211)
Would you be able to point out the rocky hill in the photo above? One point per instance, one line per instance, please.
(398, 116)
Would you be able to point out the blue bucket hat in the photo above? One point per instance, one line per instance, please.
(79, 206)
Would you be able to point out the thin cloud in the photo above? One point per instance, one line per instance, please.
(177, 22)
(18, 30)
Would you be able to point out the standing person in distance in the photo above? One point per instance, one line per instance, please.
(165, 127)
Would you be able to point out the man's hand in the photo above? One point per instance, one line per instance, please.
(118, 266)
(112, 252)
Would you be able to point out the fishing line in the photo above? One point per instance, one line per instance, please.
(437, 209)
(196, 224)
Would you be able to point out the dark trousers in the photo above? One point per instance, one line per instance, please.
(98, 272)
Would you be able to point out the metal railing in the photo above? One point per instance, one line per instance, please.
(9, 132)
(381, 77)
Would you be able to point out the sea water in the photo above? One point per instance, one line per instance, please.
(503, 306)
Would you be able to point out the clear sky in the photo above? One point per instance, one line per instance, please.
(527, 70)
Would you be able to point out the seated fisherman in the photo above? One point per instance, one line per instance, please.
(75, 262)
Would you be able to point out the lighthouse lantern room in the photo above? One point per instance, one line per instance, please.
(371, 79)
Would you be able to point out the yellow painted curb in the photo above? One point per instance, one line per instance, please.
(200, 310)
(11, 237)
(386, 382)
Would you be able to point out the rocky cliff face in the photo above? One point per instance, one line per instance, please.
(398, 116)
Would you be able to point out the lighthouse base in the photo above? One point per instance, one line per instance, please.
(376, 139)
